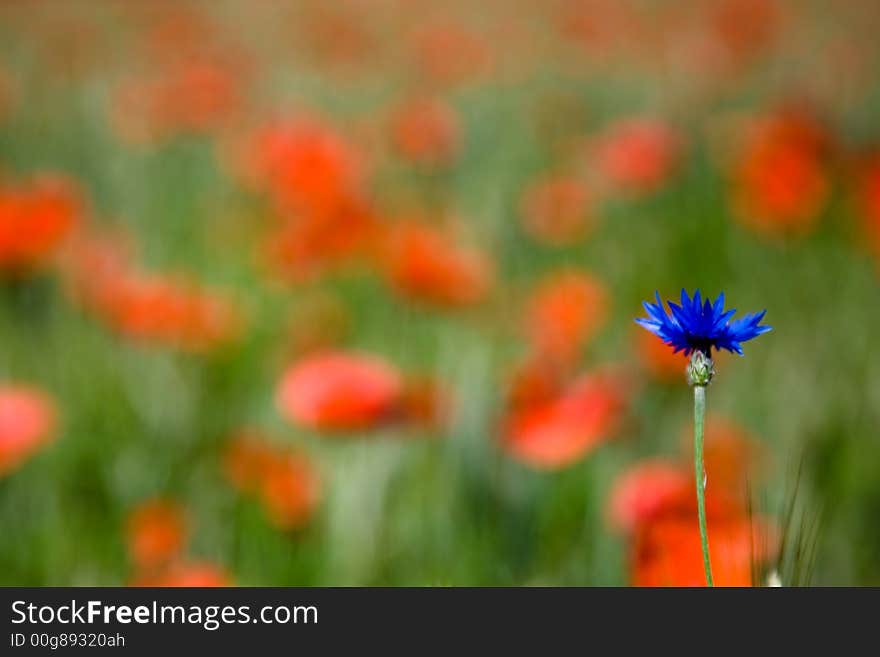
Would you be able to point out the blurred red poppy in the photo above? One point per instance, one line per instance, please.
(647, 490)
(305, 245)
(246, 459)
(732, 457)
(746, 28)
(668, 551)
(186, 574)
(315, 178)
(449, 53)
(289, 490)
(655, 502)
(564, 313)
(303, 164)
(169, 311)
(93, 267)
(27, 423)
(868, 199)
(338, 37)
(597, 26)
(285, 482)
(35, 219)
(156, 533)
(425, 263)
(155, 308)
(425, 131)
(178, 32)
(556, 433)
(781, 181)
(557, 210)
(637, 155)
(339, 391)
(732, 462)
(192, 95)
(535, 380)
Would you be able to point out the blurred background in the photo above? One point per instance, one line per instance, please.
(342, 293)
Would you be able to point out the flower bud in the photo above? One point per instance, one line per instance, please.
(700, 369)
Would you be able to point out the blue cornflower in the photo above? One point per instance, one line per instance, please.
(697, 326)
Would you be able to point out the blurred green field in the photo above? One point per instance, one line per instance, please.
(139, 420)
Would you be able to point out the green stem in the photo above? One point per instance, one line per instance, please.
(700, 475)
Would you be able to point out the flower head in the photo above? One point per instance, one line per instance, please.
(27, 424)
(156, 533)
(186, 574)
(637, 155)
(555, 433)
(429, 264)
(701, 326)
(340, 391)
(286, 482)
(565, 311)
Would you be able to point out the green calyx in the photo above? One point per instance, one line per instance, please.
(700, 369)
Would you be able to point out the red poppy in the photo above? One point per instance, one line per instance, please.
(200, 95)
(732, 461)
(646, 491)
(156, 533)
(35, 218)
(150, 307)
(746, 28)
(556, 211)
(285, 482)
(426, 132)
(185, 575)
(781, 182)
(27, 423)
(169, 311)
(637, 155)
(656, 503)
(306, 245)
(732, 457)
(556, 433)
(564, 313)
(289, 490)
(450, 54)
(315, 178)
(93, 267)
(668, 551)
(188, 95)
(246, 460)
(597, 26)
(535, 380)
(338, 36)
(339, 391)
(426, 264)
(304, 164)
(179, 32)
(868, 199)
